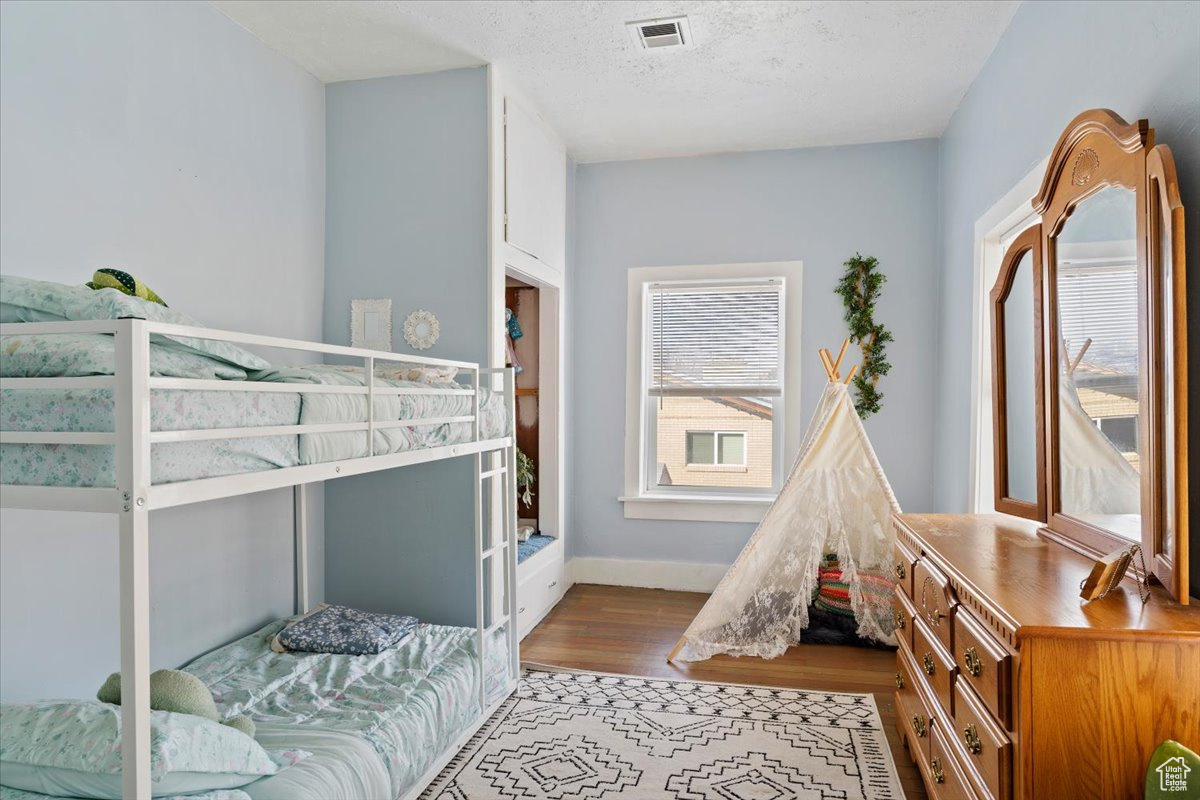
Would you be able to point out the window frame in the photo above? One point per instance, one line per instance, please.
(641, 499)
(994, 232)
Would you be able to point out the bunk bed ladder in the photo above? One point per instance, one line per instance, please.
(500, 467)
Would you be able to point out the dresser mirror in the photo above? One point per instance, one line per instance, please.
(1016, 329)
(1100, 422)
(1090, 352)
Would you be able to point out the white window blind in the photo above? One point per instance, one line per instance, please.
(715, 340)
(1101, 304)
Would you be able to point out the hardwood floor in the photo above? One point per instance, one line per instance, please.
(630, 632)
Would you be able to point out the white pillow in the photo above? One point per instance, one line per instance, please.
(73, 749)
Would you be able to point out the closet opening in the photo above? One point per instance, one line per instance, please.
(530, 337)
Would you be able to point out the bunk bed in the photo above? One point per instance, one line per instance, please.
(140, 453)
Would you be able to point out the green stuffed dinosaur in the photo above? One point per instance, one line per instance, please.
(177, 691)
(123, 282)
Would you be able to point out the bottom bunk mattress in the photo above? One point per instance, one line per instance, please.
(373, 724)
(410, 703)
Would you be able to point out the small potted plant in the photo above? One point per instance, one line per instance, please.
(526, 476)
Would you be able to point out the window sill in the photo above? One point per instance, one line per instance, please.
(698, 507)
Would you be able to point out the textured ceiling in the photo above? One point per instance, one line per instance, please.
(761, 75)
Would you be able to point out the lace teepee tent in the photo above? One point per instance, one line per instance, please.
(1095, 476)
(836, 500)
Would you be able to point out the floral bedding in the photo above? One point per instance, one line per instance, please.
(410, 702)
(92, 410)
(82, 354)
(9, 793)
(95, 465)
(321, 408)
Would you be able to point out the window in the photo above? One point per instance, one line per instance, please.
(708, 402)
(713, 356)
(1122, 432)
(716, 449)
(994, 232)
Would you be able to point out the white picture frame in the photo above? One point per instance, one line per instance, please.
(421, 329)
(371, 323)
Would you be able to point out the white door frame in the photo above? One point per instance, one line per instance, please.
(1011, 214)
(551, 453)
(505, 261)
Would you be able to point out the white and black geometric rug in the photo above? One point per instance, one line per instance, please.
(588, 736)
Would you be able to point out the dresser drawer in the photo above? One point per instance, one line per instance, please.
(989, 753)
(913, 715)
(902, 568)
(902, 616)
(945, 775)
(935, 602)
(937, 668)
(984, 664)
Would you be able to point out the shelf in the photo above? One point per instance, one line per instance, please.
(527, 392)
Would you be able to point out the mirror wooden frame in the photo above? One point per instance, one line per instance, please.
(1099, 149)
(1170, 342)
(1028, 241)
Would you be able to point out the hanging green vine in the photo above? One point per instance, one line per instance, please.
(859, 288)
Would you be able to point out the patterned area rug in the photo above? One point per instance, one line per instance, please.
(568, 735)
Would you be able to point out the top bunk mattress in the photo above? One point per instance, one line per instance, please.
(81, 410)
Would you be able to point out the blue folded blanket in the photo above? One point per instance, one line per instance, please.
(337, 629)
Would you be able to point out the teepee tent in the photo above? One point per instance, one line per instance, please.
(836, 500)
(1095, 476)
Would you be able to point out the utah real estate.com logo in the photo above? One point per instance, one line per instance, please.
(1172, 775)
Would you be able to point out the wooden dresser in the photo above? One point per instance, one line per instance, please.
(1009, 686)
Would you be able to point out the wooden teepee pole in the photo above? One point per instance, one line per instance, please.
(837, 365)
(678, 647)
(828, 363)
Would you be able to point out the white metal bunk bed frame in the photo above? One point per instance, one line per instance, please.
(135, 496)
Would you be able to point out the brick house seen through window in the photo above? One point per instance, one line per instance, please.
(714, 360)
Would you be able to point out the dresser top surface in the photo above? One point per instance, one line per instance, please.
(1033, 583)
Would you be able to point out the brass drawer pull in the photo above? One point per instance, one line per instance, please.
(899, 681)
(935, 614)
(971, 737)
(971, 659)
(900, 572)
(935, 769)
(929, 665)
(919, 726)
(899, 618)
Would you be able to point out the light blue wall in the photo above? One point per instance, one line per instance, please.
(816, 205)
(163, 139)
(1057, 59)
(407, 219)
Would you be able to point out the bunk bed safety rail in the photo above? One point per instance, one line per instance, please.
(138, 383)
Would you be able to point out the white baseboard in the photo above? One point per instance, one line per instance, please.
(675, 575)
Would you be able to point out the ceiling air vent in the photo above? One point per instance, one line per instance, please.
(653, 34)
